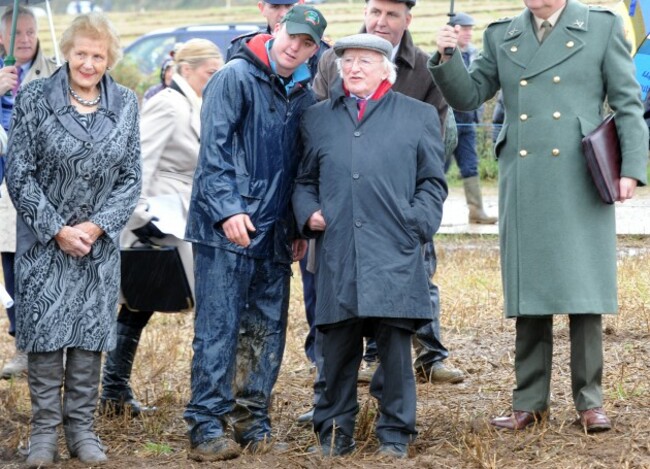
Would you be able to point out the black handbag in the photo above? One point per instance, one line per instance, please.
(153, 279)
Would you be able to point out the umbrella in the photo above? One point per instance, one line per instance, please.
(636, 16)
(10, 60)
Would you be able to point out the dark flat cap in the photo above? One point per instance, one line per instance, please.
(364, 41)
(461, 19)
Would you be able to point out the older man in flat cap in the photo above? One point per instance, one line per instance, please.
(390, 20)
(370, 202)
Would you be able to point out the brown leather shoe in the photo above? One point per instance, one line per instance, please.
(595, 420)
(519, 420)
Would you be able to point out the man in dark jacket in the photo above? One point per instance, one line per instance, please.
(390, 19)
(371, 202)
(240, 224)
(273, 11)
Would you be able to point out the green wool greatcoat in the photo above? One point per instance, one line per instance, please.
(557, 239)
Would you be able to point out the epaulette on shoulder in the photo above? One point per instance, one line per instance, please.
(601, 9)
(505, 19)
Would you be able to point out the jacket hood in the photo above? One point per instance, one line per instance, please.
(254, 51)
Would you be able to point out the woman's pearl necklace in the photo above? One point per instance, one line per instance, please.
(85, 102)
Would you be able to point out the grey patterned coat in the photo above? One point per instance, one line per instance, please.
(60, 172)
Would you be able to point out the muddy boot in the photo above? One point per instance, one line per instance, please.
(81, 389)
(475, 202)
(117, 396)
(45, 375)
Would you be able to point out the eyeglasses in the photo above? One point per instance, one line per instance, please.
(363, 62)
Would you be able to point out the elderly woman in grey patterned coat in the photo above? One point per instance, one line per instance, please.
(74, 177)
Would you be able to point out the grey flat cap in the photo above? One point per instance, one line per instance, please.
(461, 19)
(364, 41)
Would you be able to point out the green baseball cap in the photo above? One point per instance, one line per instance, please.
(305, 19)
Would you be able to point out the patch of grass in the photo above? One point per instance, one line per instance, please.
(157, 449)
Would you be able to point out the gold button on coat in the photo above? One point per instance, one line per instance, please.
(523, 153)
(513, 49)
(556, 115)
(556, 79)
(570, 44)
(524, 117)
(523, 82)
(555, 152)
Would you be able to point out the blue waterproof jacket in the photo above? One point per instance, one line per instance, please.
(249, 154)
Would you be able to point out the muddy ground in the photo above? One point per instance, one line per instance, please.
(451, 418)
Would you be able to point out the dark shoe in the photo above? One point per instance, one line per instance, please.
(43, 450)
(517, 421)
(132, 407)
(393, 450)
(440, 373)
(594, 420)
(307, 418)
(341, 446)
(218, 449)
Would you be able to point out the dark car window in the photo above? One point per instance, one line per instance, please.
(149, 51)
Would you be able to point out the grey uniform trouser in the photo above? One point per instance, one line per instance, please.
(533, 362)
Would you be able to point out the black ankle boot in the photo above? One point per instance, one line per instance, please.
(117, 397)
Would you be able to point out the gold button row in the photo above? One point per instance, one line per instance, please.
(554, 152)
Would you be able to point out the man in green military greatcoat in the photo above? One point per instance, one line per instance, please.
(557, 63)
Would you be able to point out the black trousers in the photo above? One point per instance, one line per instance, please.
(342, 346)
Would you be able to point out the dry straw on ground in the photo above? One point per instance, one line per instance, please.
(451, 418)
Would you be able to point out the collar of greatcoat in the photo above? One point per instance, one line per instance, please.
(521, 46)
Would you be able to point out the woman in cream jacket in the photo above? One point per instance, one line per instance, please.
(170, 135)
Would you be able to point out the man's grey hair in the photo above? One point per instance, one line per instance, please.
(389, 66)
(5, 20)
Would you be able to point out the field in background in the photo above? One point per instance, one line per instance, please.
(343, 18)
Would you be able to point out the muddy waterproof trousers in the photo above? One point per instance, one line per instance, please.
(240, 325)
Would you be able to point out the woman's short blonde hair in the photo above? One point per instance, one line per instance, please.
(95, 26)
(195, 51)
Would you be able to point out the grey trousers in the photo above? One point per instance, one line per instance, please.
(533, 362)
